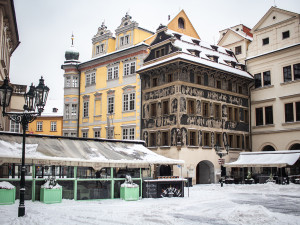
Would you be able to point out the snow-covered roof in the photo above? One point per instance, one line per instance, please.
(242, 34)
(188, 46)
(266, 159)
(53, 104)
(79, 152)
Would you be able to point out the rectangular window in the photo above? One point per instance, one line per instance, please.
(205, 108)
(75, 82)
(257, 80)
(97, 49)
(153, 110)
(236, 115)
(154, 82)
(39, 126)
(110, 104)
(265, 41)
(191, 107)
(165, 107)
(126, 39)
(285, 34)
(289, 112)
(157, 53)
(128, 133)
(68, 81)
(217, 111)
(93, 78)
(287, 73)
(116, 72)
(14, 127)
(198, 79)
(170, 78)
(110, 133)
(230, 141)
(113, 73)
(129, 68)
(67, 111)
(121, 41)
(238, 50)
(267, 78)
(109, 73)
(246, 115)
(192, 138)
(88, 79)
(102, 48)
(128, 102)
(296, 71)
(259, 116)
(165, 138)
(53, 126)
(247, 142)
(230, 113)
(218, 84)
(240, 89)
(269, 115)
(297, 111)
(84, 134)
(85, 109)
(152, 141)
(229, 86)
(238, 141)
(74, 110)
(206, 139)
(218, 140)
(97, 134)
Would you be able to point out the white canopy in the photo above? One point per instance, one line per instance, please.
(266, 159)
(96, 153)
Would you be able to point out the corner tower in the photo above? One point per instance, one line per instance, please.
(71, 91)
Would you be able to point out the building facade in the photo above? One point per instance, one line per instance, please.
(103, 95)
(9, 41)
(194, 96)
(273, 59)
(51, 120)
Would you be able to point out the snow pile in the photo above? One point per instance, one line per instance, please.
(50, 185)
(14, 149)
(6, 185)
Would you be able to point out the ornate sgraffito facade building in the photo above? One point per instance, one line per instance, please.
(103, 95)
(194, 96)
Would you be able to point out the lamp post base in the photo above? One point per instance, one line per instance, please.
(21, 211)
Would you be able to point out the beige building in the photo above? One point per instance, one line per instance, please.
(274, 59)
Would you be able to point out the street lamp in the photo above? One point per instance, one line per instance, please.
(35, 98)
(221, 154)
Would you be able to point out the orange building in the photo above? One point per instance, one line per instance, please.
(50, 122)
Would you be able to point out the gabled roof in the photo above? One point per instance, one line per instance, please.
(231, 31)
(189, 28)
(188, 47)
(267, 20)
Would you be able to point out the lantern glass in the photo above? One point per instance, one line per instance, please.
(41, 93)
(30, 99)
(5, 93)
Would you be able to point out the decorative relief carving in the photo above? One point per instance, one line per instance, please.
(182, 104)
(174, 105)
(160, 93)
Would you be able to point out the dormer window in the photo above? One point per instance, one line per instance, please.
(197, 42)
(213, 57)
(233, 64)
(285, 34)
(178, 36)
(238, 50)
(265, 41)
(54, 110)
(159, 52)
(194, 52)
(126, 39)
(121, 41)
(214, 47)
(181, 23)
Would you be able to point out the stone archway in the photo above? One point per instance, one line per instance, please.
(205, 172)
(295, 147)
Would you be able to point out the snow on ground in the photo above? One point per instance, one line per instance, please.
(206, 204)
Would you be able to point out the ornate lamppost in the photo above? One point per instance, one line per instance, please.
(221, 154)
(35, 101)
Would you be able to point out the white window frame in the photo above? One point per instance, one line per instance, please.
(113, 72)
(122, 41)
(128, 133)
(129, 68)
(67, 111)
(86, 109)
(39, 126)
(128, 98)
(68, 81)
(74, 110)
(75, 82)
(53, 126)
(90, 79)
(126, 40)
(14, 127)
(97, 133)
(85, 134)
(111, 104)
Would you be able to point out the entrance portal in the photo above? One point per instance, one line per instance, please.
(205, 172)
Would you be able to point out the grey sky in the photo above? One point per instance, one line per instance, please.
(45, 28)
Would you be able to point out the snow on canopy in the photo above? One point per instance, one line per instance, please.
(96, 153)
(187, 45)
(266, 159)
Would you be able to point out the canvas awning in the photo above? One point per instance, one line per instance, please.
(266, 159)
(43, 150)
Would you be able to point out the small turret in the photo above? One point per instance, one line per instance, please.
(72, 54)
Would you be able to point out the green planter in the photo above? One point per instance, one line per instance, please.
(7, 196)
(129, 193)
(49, 196)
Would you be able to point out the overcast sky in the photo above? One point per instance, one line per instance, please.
(45, 28)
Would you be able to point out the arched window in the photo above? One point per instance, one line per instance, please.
(268, 148)
(180, 23)
(295, 147)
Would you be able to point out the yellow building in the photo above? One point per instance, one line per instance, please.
(51, 120)
(104, 93)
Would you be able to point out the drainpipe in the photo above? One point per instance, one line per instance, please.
(250, 110)
(78, 114)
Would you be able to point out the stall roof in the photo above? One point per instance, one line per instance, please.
(96, 153)
(266, 159)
